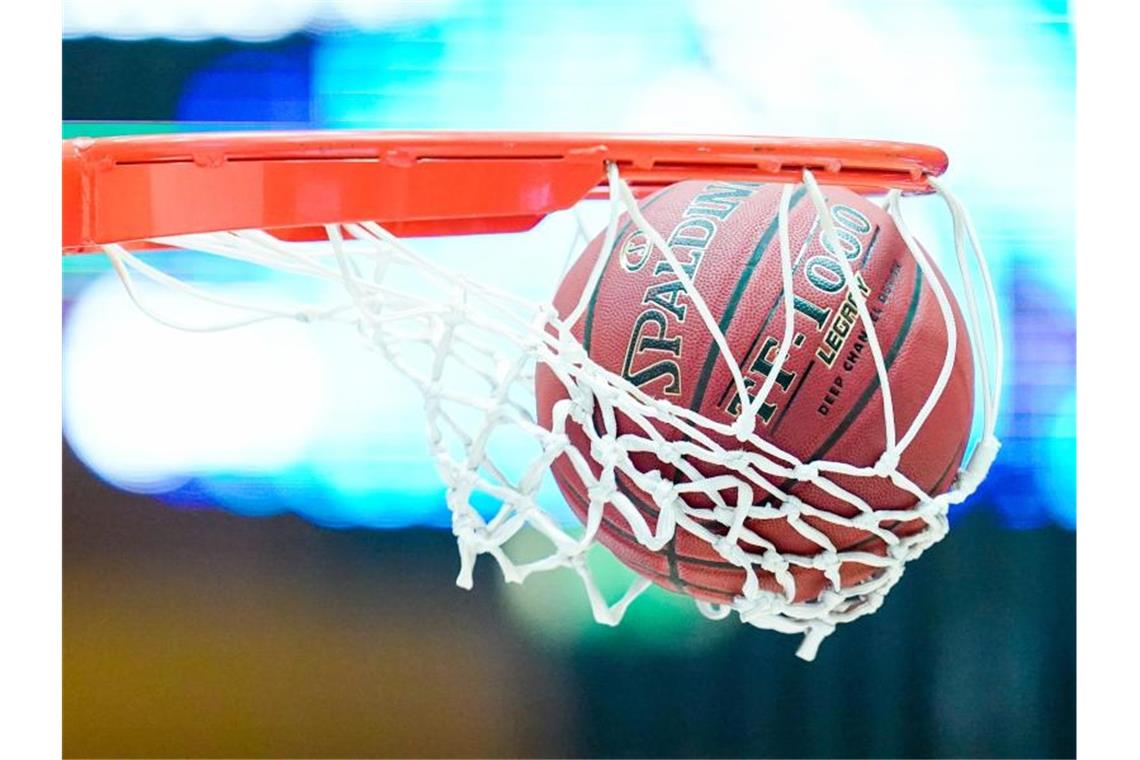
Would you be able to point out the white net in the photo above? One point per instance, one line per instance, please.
(472, 349)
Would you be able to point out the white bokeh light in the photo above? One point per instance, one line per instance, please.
(237, 19)
(147, 406)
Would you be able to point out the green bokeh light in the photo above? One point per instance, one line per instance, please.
(553, 606)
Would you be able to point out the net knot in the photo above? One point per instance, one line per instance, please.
(971, 476)
(660, 407)
(663, 491)
(463, 479)
(731, 551)
(667, 453)
(463, 523)
(606, 451)
(792, 507)
(608, 394)
(940, 504)
(480, 538)
(306, 315)
(734, 459)
(555, 442)
(888, 463)
(899, 552)
(454, 316)
(547, 312)
(724, 514)
(762, 604)
(825, 560)
(529, 343)
(806, 471)
(773, 562)
(602, 491)
(572, 352)
(582, 406)
(744, 426)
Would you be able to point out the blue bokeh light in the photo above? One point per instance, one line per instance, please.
(992, 82)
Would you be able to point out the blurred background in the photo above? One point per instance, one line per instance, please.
(330, 624)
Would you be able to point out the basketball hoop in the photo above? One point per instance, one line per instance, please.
(336, 206)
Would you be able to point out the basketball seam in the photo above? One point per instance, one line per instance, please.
(677, 580)
(888, 362)
(956, 457)
(780, 297)
(729, 314)
(588, 329)
(771, 312)
(792, 398)
(641, 507)
(672, 557)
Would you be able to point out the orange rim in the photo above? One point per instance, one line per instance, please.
(124, 189)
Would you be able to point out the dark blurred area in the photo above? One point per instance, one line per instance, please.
(206, 634)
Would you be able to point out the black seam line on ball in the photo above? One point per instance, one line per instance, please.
(587, 333)
(730, 385)
(780, 298)
(892, 524)
(792, 398)
(680, 583)
(734, 300)
(639, 504)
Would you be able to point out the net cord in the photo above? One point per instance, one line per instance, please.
(451, 326)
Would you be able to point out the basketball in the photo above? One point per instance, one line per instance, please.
(826, 401)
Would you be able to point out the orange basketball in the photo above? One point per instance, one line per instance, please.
(826, 401)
